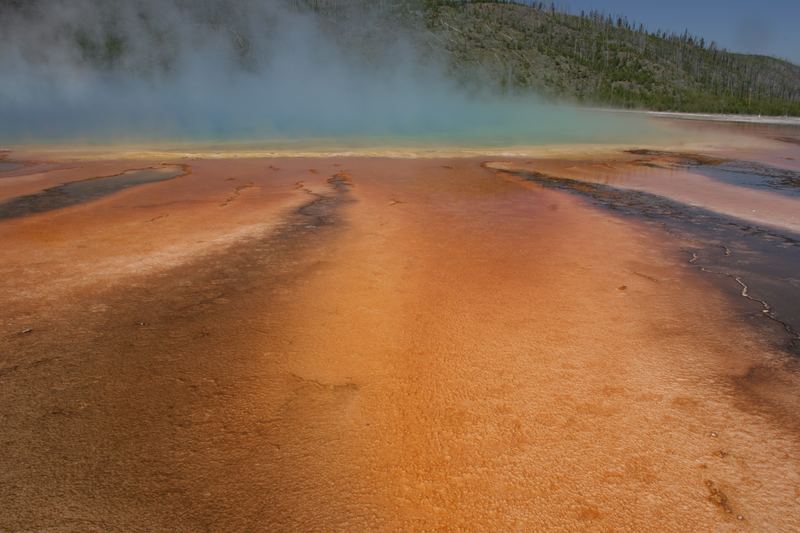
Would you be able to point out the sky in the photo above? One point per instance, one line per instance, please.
(769, 27)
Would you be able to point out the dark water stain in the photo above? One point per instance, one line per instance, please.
(78, 192)
(790, 140)
(760, 265)
(8, 166)
(679, 158)
(755, 176)
(734, 172)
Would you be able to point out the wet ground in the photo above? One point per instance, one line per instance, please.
(397, 344)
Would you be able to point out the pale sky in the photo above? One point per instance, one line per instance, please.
(769, 27)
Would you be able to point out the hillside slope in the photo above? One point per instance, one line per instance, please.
(589, 58)
(599, 60)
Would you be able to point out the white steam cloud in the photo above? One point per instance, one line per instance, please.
(250, 69)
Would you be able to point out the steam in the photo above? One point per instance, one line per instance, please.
(148, 69)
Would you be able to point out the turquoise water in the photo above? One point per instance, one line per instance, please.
(296, 84)
(416, 117)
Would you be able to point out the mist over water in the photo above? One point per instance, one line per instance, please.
(106, 71)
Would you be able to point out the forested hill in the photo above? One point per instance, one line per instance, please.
(598, 59)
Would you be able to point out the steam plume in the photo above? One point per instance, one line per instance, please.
(252, 69)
